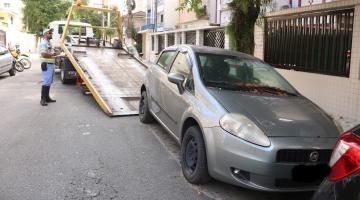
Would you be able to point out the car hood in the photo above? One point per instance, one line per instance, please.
(279, 116)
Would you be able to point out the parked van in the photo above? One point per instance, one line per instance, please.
(75, 29)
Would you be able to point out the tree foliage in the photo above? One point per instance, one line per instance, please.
(38, 13)
(95, 19)
(192, 5)
(242, 25)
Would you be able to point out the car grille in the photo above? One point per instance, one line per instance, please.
(302, 156)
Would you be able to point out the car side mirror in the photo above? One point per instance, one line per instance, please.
(177, 79)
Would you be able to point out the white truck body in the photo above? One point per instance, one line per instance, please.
(58, 26)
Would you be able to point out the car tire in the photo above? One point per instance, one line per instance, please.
(63, 79)
(144, 112)
(12, 71)
(193, 157)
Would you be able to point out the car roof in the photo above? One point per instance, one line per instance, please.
(212, 50)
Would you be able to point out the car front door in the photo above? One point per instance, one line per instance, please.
(175, 104)
(158, 73)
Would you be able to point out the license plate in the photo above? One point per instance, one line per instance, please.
(72, 73)
(310, 173)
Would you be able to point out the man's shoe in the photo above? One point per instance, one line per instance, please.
(49, 100)
(43, 96)
(43, 102)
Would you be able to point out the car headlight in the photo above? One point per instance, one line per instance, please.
(242, 127)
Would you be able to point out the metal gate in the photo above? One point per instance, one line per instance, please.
(214, 38)
(318, 42)
(3, 38)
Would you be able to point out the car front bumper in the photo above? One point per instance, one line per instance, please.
(257, 166)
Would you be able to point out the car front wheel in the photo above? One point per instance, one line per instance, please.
(193, 157)
(12, 71)
(144, 112)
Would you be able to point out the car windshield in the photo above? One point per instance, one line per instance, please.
(242, 74)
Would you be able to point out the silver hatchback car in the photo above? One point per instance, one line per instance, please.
(237, 120)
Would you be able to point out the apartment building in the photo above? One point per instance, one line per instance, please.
(10, 20)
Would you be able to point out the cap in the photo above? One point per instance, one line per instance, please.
(47, 30)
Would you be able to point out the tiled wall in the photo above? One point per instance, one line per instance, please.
(339, 96)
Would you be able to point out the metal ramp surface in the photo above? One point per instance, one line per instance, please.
(115, 76)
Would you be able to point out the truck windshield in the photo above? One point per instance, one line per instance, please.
(242, 74)
(73, 30)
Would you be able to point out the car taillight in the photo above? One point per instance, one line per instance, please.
(345, 159)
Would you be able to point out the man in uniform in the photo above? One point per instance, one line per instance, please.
(47, 58)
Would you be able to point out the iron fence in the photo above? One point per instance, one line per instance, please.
(171, 39)
(190, 37)
(317, 42)
(214, 38)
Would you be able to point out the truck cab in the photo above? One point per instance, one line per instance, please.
(79, 32)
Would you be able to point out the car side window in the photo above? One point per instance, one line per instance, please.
(182, 66)
(165, 59)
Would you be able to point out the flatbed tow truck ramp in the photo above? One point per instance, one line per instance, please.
(113, 76)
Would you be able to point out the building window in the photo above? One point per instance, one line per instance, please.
(7, 5)
(161, 18)
(12, 20)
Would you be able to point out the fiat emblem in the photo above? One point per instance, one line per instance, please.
(314, 156)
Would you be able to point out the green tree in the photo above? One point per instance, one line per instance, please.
(242, 25)
(95, 19)
(192, 5)
(38, 13)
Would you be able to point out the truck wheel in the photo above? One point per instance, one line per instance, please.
(63, 78)
(12, 71)
(144, 112)
(193, 157)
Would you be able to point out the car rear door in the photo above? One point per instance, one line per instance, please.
(7, 59)
(174, 103)
(2, 59)
(157, 74)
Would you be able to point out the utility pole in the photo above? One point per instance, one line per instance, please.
(155, 16)
(131, 5)
(103, 23)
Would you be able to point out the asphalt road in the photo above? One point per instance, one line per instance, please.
(72, 150)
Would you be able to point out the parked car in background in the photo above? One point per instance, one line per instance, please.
(237, 120)
(6, 62)
(343, 183)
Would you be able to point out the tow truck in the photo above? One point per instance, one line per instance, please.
(111, 75)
